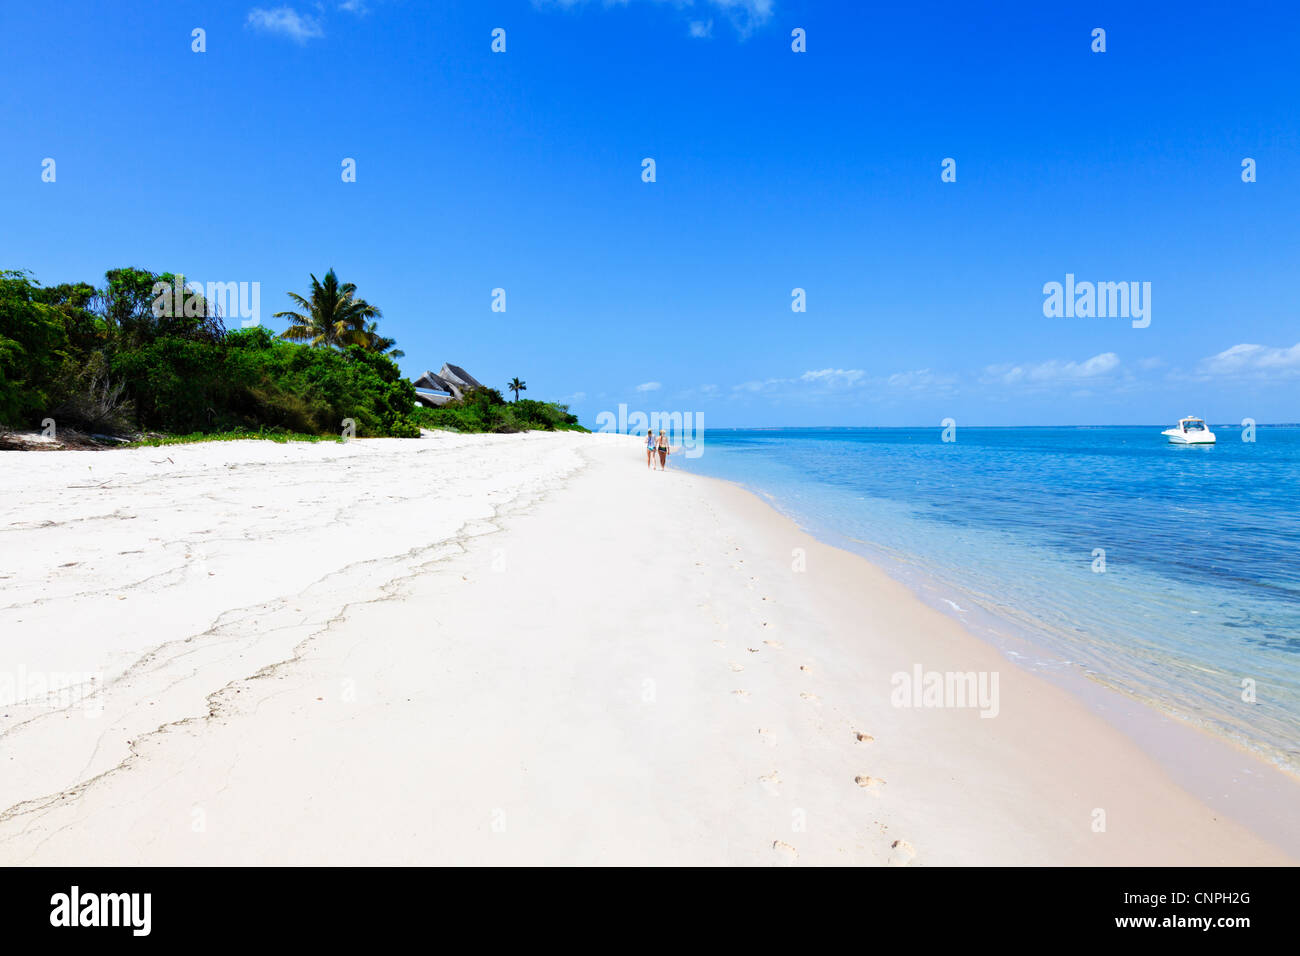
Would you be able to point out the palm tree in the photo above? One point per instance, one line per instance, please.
(381, 344)
(517, 386)
(333, 317)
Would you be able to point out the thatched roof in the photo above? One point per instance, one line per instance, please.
(433, 383)
(458, 376)
(451, 382)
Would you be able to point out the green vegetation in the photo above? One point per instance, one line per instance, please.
(484, 410)
(252, 378)
(335, 317)
(141, 354)
(236, 434)
(125, 358)
(40, 330)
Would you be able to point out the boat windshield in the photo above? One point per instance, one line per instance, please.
(1194, 425)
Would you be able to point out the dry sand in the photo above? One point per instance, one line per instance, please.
(510, 649)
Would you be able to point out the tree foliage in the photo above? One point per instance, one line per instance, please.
(125, 355)
(34, 345)
(484, 410)
(332, 316)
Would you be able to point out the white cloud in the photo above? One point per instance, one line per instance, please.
(649, 387)
(921, 379)
(745, 15)
(286, 21)
(1104, 370)
(834, 377)
(812, 383)
(358, 7)
(700, 29)
(1254, 360)
(1053, 372)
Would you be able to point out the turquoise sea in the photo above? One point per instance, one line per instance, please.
(1199, 599)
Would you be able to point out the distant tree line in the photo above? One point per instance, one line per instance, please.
(109, 359)
(145, 353)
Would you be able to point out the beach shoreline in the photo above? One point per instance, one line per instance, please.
(1201, 759)
(536, 651)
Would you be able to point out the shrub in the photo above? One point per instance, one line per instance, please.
(33, 350)
(479, 412)
(404, 428)
(252, 378)
(90, 399)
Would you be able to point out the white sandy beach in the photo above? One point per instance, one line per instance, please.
(511, 649)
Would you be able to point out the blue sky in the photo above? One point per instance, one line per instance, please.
(775, 170)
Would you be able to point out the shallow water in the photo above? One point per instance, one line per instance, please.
(1196, 602)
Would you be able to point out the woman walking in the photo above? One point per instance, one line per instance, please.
(649, 448)
(663, 450)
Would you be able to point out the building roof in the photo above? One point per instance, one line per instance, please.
(433, 383)
(458, 376)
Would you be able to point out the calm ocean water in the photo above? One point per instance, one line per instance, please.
(1201, 587)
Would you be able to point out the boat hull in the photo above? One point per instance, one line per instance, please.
(1180, 439)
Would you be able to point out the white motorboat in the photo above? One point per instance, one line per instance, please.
(1190, 431)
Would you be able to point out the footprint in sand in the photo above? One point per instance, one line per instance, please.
(869, 784)
(752, 650)
(741, 693)
(776, 644)
(806, 668)
(785, 852)
(811, 698)
(770, 783)
(863, 738)
(766, 737)
(734, 666)
(901, 853)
